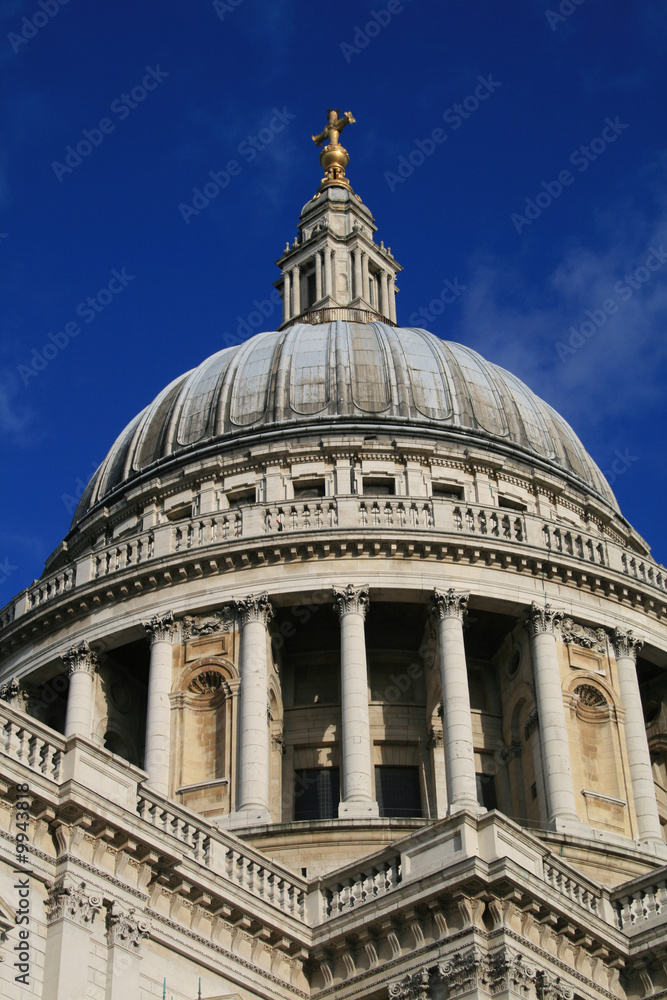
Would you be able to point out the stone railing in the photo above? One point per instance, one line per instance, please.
(178, 823)
(447, 520)
(347, 892)
(251, 872)
(573, 888)
(641, 904)
(31, 744)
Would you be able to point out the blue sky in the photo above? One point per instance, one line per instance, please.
(544, 206)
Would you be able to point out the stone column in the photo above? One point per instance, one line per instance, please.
(70, 912)
(626, 646)
(126, 930)
(358, 290)
(158, 717)
(540, 623)
(328, 290)
(333, 287)
(357, 798)
(365, 290)
(384, 291)
(82, 663)
(296, 289)
(255, 613)
(449, 609)
(287, 291)
(318, 276)
(392, 299)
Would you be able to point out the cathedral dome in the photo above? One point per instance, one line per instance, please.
(345, 375)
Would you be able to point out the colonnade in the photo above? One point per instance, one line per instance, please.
(357, 793)
(325, 284)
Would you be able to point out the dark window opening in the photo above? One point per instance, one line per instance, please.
(316, 793)
(180, 512)
(311, 489)
(446, 491)
(316, 683)
(310, 289)
(379, 487)
(486, 791)
(240, 497)
(397, 791)
(511, 504)
(533, 791)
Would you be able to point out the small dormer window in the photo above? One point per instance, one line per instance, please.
(240, 498)
(510, 504)
(377, 486)
(309, 489)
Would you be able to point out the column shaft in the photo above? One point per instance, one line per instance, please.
(365, 290)
(357, 798)
(333, 288)
(318, 276)
(392, 300)
(158, 716)
(253, 770)
(358, 289)
(561, 807)
(82, 663)
(327, 273)
(296, 289)
(449, 609)
(639, 758)
(287, 292)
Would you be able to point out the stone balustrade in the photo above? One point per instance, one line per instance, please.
(30, 743)
(177, 823)
(352, 890)
(563, 880)
(251, 872)
(642, 903)
(448, 521)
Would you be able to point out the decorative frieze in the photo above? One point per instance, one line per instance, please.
(73, 902)
(626, 643)
(161, 628)
(254, 608)
(195, 626)
(80, 659)
(351, 599)
(541, 619)
(589, 638)
(126, 928)
(449, 604)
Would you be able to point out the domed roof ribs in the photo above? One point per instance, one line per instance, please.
(334, 270)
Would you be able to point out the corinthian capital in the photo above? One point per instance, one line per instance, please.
(626, 643)
(449, 605)
(161, 627)
(126, 928)
(541, 619)
(80, 658)
(254, 608)
(75, 902)
(348, 599)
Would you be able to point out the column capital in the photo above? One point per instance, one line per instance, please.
(126, 928)
(254, 608)
(540, 620)
(348, 599)
(449, 604)
(80, 659)
(161, 628)
(74, 901)
(626, 643)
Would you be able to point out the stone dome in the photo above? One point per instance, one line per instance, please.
(369, 376)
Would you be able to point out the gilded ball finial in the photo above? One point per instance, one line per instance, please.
(334, 158)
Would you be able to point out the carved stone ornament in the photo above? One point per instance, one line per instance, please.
(436, 738)
(449, 605)
(254, 608)
(542, 619)
(206, 682)
(553, 987)
(511, 750)
(16, 693)
(161, 628)
(626, 643)
(506, 970)
(72, 901)
(531, 725)
(80, 658)
(590, 696)
(460, 971)
(579, 635)
(126, 928)
(351, 599)
(194, 626)
(413, 987)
